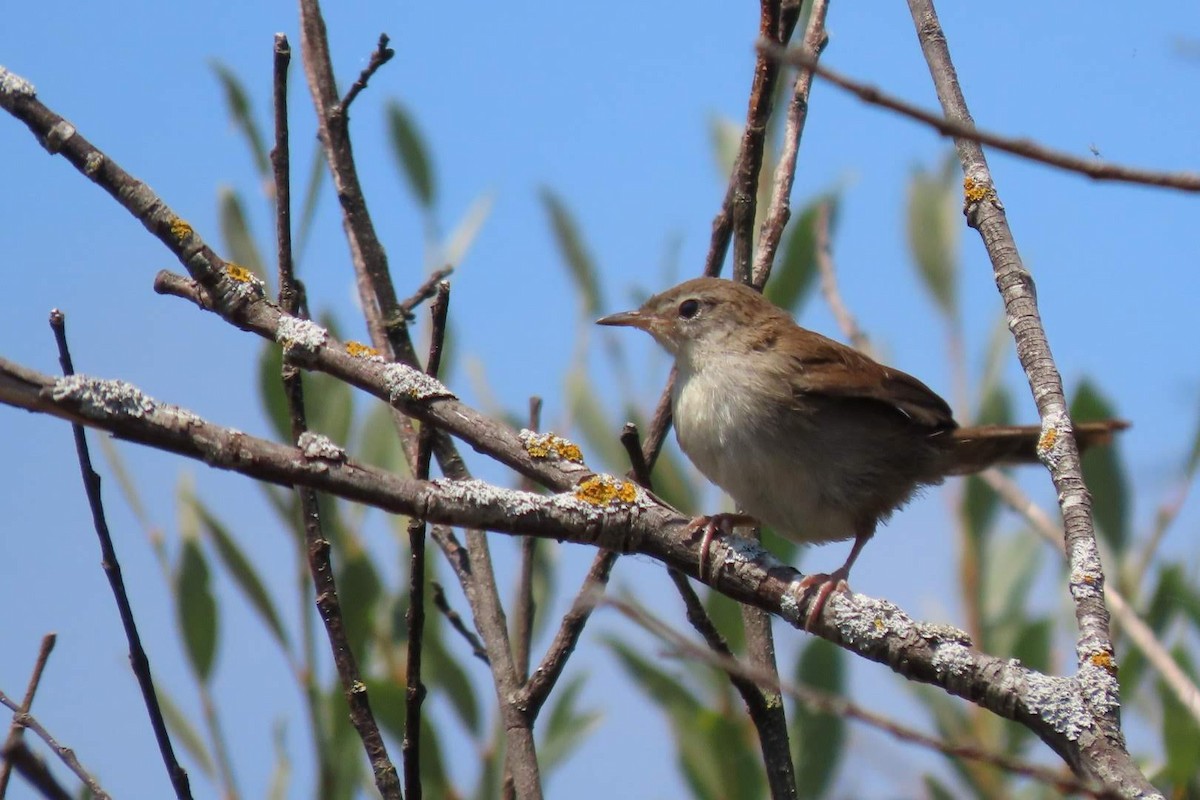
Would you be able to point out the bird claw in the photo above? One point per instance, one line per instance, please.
(711, 525)
(826, 585)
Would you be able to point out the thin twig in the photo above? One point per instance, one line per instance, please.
(1186, 692)
(381, 56)
(829, 285)
(317, 545)
(426, 290)
(15, 730)
(768, 718)
(961, 129)
(414, 617)
(65, 754)
(775, 220)
(826, 703)
(777, 20)
(34, 769)
(523, 606)
(456, 622)
(112, 569)
(1104, 756)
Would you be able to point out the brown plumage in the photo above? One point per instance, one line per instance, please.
(807, 435)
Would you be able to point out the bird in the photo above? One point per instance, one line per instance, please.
(805, 434)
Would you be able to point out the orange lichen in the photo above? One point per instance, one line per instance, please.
(1104, 661)
(1047, 440)
(550, 445)
(976, 191)
(360, 350)
(180, 229)
(601, 490)
(239, 273)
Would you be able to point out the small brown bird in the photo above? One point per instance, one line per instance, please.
(807, 435)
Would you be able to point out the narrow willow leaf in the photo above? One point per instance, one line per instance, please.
(1180, 732)
(237, 102)
(566, 726)
(795, 275)
(1103, 470)
(820, 738)
(378, 442)
(937, 790)
(445, 673)
(590, 419)
(240, 568)
(579, 262)
(240, 246)
(411, 154)
(308, 208)
(270, 391)
(183, 733)
(459, 242)
(979, 502)
(934, 228)
(281, 773)
(196, 609)
(726, 138)
(359, 590)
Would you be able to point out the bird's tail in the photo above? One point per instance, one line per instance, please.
(982, 446)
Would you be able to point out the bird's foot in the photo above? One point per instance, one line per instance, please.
(710, 525)
(825, 584)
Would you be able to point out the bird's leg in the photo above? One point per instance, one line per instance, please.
(832, 582)
(725, 523)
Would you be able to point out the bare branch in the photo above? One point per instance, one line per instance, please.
(15, 730)
(381, 56)
(829, 285)
(1103, 757)
(456, 621)
(138, 659)
(964, 129)
(65, 754)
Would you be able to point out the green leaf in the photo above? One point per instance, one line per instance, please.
(359, 590)
(1103, 472)
(568, 237)
(795, 274)
(245, 577)
(819, 738)
(183, 733)
(590, 418)
(1193, 459)
(379, 443)
(445, 673)
(237, 102)
(240, 246)
(1180, 733)
(566, 726)
(196, 609)
(459, 242)
(1009, 568)
(411, 153)
(308, 210)
(937, 790)
(281, 774)
(934, 228)
(980, 503)
(270, 391)
(726, 138)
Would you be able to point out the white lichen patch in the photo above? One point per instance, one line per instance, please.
(58, 135)
(300, 336)
(551, 446)
(477, 493)
(1098, 685)
(316, 446)
(13, 84)
(789, 607)
(93, 163)
(102, 399)
(1058, 702)
(404, 382)
(937, 632)
(860, 619)
(953, 660)
(1086, 571)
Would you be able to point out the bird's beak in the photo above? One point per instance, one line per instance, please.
(628, 319)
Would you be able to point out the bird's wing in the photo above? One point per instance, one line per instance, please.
(832, 369)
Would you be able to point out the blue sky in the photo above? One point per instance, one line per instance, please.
(610, 105)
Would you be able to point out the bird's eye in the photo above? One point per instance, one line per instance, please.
(689, 308)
